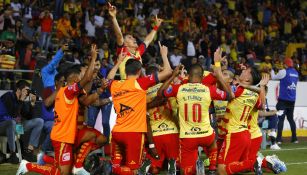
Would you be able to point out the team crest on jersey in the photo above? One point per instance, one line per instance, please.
(124, 109)
(169, 90)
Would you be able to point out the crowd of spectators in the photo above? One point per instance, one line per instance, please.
(249, 32)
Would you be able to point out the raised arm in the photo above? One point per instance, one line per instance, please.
(280, 74)
(264, 81)
(56, 59)
(113, 71)
(118, 33)
(218, 73)
(166, 84)
(152, 34)
(90, 70)
(167, 70)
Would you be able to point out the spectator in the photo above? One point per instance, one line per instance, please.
(266, 66)
(31, 124)
(11, 105)
(286, 100)
(28, 31)
(46, 27)
(176, 57)
(16, 6)
(64, 29)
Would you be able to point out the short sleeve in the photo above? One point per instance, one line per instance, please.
(148, 81)
(72, 90)
(171, 91)
(142, 48)
(258, 104)
(209, 80)
(217, 94)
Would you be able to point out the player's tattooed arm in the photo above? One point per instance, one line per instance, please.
(148, 39)
(158, 101)
(90, 70)
(264, 81)
(167, 70)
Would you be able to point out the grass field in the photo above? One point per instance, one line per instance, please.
(294, 155)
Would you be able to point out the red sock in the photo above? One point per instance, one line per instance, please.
(82, 153)
(213, 158)
(48, 159)
(107, 150)
(45, 170)
(264, 163)
(122, 170)
(237, 167)
(189, 170)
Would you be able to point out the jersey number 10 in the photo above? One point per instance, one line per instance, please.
(196, 112)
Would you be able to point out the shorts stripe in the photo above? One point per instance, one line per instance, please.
(227, 143)
(61, 151)
(142, 146)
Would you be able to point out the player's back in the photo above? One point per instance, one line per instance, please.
(161, 119)
(65, 118)
(238, 109)
(129, 101)
(193, 101)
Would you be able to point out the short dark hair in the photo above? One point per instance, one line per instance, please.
(132, 66)
(255, 75)
(151, 69)
(196, 69)
(71, 71)
(58, 76)
(22, 84)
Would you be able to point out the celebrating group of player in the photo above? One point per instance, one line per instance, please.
(166, 112)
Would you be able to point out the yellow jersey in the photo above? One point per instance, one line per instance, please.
(220, 110)
(160, 117)
(253, 127)
(238, 110)
(194, 100)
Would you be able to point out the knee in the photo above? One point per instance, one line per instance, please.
(11, 124)
(221, 169)
(39, 122)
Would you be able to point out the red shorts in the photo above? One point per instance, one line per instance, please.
(254, 148)
(189, 151)
(81, 133)
(235, 147)
(167, 147)
(63, 153)
(127, 149)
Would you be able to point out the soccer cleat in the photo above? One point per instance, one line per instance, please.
(40, 158)
(200, 167)
(79, 171)
(211, 172)
(276, 165)
(275, 147)
(257, 166)
(22, 169)
(279, 143)
(144, 168)
(171, 167)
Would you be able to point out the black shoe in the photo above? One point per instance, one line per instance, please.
(29, 156)
(257, 168)
(13, 159)
(144, 168)
(212, 172)
(2, 158)
(171, 167)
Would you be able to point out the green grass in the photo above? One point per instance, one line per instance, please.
(294, 155)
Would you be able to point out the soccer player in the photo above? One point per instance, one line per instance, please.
(220, 110)
(128, 42)
(164, 131)
(194, 100)
(129, 98)
(238, 111)
(64, 130)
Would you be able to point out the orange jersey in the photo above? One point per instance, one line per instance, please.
(160, 117)
(66, 112)
(253, 127)
(129, 99)
(194, 100)
(239, 109)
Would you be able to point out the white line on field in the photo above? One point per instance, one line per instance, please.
(290, 149)
(296, 163)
